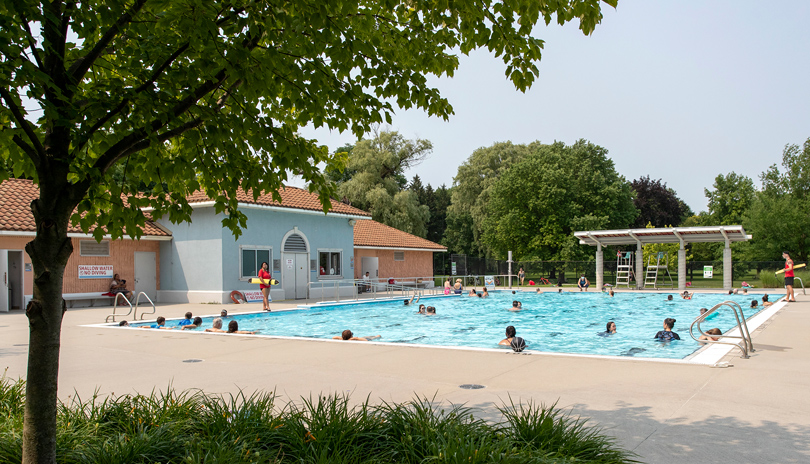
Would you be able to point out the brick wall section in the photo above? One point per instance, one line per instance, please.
(416, 264)
(122, 257)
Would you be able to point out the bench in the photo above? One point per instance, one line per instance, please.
(92, 297)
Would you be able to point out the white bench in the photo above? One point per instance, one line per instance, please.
(92, 297)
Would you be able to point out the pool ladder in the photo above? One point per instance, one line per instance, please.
(131, 308)
(745, 345)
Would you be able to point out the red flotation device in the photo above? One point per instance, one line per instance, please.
(237, 297)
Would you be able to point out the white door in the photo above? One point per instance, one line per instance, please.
(4, 306)
(146, 274)
(370, 265)
(301, 275)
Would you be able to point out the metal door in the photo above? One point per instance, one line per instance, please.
(301, 275)
(372, 266)
(145, 274)
(295, 275)
(4, 303)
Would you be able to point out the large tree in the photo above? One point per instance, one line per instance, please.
(732, 196)
(378, 183)
(210, 95)
(778, 218)
(538, 203)
(470, 198)
(657, 204)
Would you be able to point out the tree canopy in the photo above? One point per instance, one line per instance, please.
(210, 96)
(657, 204)
(539, 202)
(732, 196)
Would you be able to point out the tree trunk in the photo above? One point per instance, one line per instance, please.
(49, 253)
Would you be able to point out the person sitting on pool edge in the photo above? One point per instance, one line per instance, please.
(457, 288)
(610, 329)
(667, 334)
(714, 331)
(216, 326)
(196, 324)
(233, 328)
(348, 335)
(583, 283)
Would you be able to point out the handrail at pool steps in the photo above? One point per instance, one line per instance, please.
(115, 306)
(747, 345)
(377, 288)
(138, 300)
(801, 282)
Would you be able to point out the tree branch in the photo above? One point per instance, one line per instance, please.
(24, 125)
(28, 149)
(78, 69)
(31, 42)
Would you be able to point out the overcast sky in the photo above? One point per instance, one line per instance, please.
(680, 91)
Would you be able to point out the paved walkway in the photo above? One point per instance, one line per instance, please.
(757, 411)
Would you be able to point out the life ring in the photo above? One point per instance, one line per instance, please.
(235, 294)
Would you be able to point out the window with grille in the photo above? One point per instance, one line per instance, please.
(399, 256)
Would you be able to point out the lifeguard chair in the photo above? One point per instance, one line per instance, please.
(653, 270)
(624, 268)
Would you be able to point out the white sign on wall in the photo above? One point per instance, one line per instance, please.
(95, 271)
(253, 296)
(290, 263)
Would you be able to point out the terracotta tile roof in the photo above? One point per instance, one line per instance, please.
(291, 197)
(16, 196)
(374, 234)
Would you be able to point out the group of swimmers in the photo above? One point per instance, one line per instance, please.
(188, 323)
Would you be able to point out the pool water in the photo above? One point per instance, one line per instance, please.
(568, 322)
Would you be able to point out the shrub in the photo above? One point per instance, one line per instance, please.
(186, 427)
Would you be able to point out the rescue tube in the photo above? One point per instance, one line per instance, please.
(237, 297)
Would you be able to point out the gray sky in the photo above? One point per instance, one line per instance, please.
(681, 91)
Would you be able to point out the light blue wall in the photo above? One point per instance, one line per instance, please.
(268, 228)
(205, 257)
(195, 259)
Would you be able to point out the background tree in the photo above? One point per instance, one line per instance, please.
(778, 219)
(732, 196)
(437, 201)
(539, 202)
(210, 96)
(378, 184)
(470, 197)
(657, 204)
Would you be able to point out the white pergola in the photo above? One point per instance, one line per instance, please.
(681, 235)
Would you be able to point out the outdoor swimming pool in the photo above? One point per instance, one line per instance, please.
(553, 322)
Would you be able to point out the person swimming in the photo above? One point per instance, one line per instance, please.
(610, 329)
(667, 334)
(515, 306)
(669, 297)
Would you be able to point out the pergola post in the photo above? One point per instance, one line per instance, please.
(639, 267)
(681, 262)
(600, 267)
(727, 282)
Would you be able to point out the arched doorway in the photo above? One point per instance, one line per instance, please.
(295, 265)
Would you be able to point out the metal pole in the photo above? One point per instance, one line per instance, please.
(509, 262)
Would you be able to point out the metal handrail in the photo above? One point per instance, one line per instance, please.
(115, 306)
(137, 301)
(377, 289)
(742, 325)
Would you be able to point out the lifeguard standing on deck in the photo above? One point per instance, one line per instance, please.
(789, 277)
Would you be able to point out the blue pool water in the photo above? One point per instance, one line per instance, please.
(557, 322)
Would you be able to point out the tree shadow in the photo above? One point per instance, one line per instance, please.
(716, 439)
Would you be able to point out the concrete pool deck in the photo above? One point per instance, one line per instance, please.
(756, 411)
